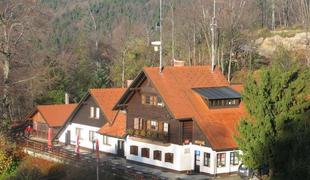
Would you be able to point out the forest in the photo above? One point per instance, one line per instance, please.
(49, 47)
(52, 47)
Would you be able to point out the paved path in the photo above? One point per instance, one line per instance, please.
(164, 174)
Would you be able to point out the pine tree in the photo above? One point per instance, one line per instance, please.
(277, 103)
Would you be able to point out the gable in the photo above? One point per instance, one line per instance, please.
(37, 116)
(82, 113)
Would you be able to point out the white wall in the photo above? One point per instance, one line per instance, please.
(213, 169)
(109, 148)
(184, 157)
(182, 154)
(84, 139)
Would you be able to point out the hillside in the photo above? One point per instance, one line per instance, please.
(70, 46)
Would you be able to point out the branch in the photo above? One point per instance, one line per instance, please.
(21, 33)
(24, 80)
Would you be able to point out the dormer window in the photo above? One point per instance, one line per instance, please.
(219, 97)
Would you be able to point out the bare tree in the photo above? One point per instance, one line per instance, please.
(232, 28)
(12, 30)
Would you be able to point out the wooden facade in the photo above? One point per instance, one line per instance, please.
(179, 130)
(82, 114)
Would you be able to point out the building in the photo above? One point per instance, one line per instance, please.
(93, 116)
(47, 120)
(183, 119)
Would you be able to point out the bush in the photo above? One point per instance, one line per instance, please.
(130, 132)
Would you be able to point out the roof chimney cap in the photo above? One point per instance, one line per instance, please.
(67, 98)
(178, 63)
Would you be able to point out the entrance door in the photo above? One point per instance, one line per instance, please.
(68, 138)
(120, 148)
(197, 161)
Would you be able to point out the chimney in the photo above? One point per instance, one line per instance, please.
(129, 82)
(177, 63)
(67, 101)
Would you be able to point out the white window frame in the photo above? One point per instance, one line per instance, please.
(154, 123)
(97, 113)
(92, 112)
(166, 127)
(105, 140)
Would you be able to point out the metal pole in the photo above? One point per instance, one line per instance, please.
(213, 25)
(97, 169)
(161, 39)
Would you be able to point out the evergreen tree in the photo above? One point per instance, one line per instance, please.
(277, 103)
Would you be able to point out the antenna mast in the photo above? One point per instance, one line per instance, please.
(161, 38)
(213, 28)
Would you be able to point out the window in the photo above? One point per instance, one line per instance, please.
(147, 99)
(151, 100)
(234, 158)
(224, 103)
(221, 159)
(157, 155)
(78, 132)
(92, 112)
(160, 102)
(138, 123)
(105, 140)
(134, 150)
(154, 125)
(169, 157)
(206, 161)
(91, 136)
(166, 127)
(97, 113)
(145, 152)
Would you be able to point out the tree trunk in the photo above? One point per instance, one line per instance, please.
(5, 97)
(230, 59)
(273, 16)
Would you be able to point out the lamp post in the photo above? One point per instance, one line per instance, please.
(158, 44)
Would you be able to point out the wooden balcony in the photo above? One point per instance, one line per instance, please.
(149, 134)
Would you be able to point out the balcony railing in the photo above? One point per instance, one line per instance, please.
(149, 134)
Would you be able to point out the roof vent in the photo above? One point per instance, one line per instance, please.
(177, 63)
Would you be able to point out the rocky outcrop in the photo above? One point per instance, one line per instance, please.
(267, 46)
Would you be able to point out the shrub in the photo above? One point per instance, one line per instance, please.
(142, 132)
(130, 131)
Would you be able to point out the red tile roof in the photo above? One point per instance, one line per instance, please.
(117, 128)
(175, 86)
(106, 99)
(55, 115)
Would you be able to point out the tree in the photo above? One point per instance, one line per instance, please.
(12, 30)
(276, 101)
